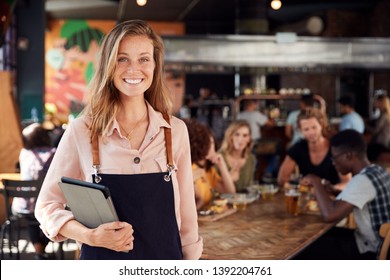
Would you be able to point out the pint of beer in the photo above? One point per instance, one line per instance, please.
(292, 199)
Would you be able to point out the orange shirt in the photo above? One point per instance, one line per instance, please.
(205, 182)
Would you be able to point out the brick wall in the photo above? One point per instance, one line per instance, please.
(365, 23)
(323, 84)
(379, 22)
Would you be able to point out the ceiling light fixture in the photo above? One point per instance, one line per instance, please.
(142, 3)
(276, 4)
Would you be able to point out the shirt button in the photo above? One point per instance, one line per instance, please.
(137, 160)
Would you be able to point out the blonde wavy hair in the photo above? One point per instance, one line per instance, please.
(321, 117)
(227, 143)
(104, 99)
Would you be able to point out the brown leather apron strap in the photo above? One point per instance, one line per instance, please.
(95, 150)
(168, 141)
(96, 158)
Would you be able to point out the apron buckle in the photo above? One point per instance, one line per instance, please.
(96, 173)
(167, 177)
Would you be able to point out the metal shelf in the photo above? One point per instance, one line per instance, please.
(238, 100)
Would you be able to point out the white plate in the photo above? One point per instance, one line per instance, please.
(231, 199)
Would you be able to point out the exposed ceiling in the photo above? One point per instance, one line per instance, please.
(200, 16)
(221, 17)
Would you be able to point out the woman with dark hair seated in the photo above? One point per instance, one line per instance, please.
(204, 162)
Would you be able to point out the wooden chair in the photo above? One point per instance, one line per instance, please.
(11, 228)
(384, 232)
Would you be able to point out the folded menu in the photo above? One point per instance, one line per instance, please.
(90, 203)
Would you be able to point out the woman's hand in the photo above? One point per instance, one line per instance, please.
(216, 159)
(117, 236)
(227, 183)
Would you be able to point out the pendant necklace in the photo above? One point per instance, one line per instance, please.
(128, 134)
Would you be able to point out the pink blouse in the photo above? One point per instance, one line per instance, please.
(74, 159)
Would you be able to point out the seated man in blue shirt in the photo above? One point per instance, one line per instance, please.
(367, 194)
(350, 118)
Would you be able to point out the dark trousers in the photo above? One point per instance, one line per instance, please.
(336, 244)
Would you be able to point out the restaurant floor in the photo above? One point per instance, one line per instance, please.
(52, 249)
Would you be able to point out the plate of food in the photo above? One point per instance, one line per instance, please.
(217, 210)
(217, 206)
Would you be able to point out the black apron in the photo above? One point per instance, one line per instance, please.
(146, 201)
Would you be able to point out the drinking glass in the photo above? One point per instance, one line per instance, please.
(239, 201)
(268, 192)
(292, 201)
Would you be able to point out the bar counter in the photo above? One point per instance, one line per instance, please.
(262, 231)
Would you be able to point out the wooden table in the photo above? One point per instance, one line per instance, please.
(11, 176)
(264, 231)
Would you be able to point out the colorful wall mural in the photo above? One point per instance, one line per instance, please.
(71, 48)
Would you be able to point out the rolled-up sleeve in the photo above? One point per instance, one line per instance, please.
(192, 243)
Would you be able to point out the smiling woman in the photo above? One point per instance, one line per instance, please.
(123, 139)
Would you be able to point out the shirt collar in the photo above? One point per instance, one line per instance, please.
(156, 121)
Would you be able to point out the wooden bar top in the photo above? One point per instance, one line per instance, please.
(263, 231)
